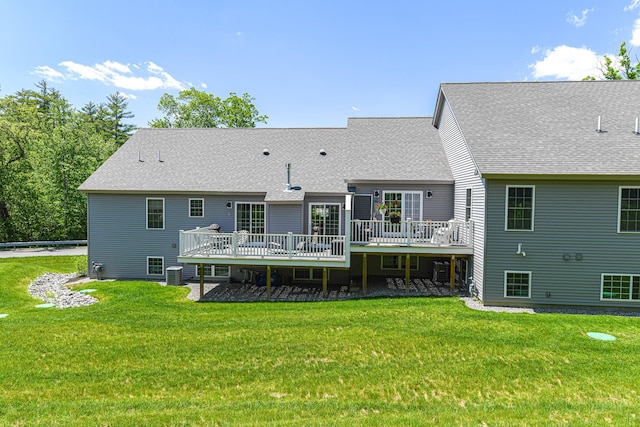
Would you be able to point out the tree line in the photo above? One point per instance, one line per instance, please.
(48, 148)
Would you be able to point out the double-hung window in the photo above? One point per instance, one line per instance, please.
(155, 213)
(467, 206)
(196, 208)
(517, 284)
(520, 205)
(155, 265)
(622, 287)
(250, 217)
(629, 210)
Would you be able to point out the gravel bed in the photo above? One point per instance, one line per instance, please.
(51, 288)
(478, 305)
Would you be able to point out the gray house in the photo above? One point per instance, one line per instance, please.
(549, 173)
(531, 188)
(332, 205)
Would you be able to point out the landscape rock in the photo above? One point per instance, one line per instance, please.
(51, 288)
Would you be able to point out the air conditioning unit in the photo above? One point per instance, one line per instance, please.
(174, 276)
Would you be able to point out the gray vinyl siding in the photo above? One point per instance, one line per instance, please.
(285, 218)
(437, 208)
(466, 175)
(570, 218)
(120, 240)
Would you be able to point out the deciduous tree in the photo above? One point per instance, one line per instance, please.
(193, 108)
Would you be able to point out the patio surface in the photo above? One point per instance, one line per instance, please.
(377, 287)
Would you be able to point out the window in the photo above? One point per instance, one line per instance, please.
(308, 274)
(517, 284)
(519, 208)
(250, 217)
(629, 210)
(155, 214)
(326, 217)
(155, 266)
(620, 287)
(467, 214)
(196, 208)
(398, 262)
(214, 270)
(405, 204)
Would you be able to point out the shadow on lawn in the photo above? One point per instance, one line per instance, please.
(378, 287)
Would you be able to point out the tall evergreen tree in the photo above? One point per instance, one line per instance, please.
(116, 113)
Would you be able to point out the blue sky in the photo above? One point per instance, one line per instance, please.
(307, 63)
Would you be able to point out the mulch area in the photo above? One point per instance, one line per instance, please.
(377, 287)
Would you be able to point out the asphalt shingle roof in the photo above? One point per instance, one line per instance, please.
(232, 160)
(549, 127)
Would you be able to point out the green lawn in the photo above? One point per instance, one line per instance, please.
(145, 355)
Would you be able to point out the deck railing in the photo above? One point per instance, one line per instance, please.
(433, 233)
(205, 242)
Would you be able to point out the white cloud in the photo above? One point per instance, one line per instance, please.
(354, 108)
(635, 33)
(114, 74)
(535, 49)
(569, 63)
(48, 73)
(239, 34)
(116, 66)
(203, 85)
(579, 21)
(633, 5)
(128, 95)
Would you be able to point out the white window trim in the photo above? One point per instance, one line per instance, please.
(468, 207)
(506, 208)
(146, 219)
(631, 276)
(235, 214)
(382, 267)
(624, 187)
(403, 192)
(325, 204)
(189, 207)
(155, 274)
(213, 270)
(506, 272)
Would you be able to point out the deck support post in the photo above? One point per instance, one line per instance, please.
(324, 282)
(269, 281)
(452, 273)
(364, 274)
(201, 281)
(407, 272)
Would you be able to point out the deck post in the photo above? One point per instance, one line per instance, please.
(201, 281)
(452, 273)
(407, 272)
(324, 282)
(364, 273)
(269, 281)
